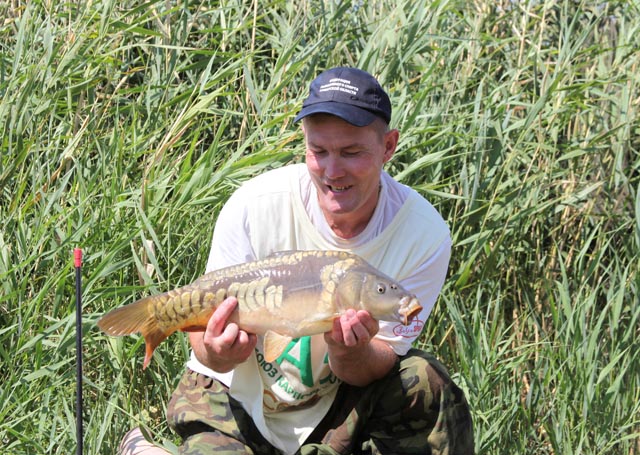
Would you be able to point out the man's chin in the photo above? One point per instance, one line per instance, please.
(333, 207)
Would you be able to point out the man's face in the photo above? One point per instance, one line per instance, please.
(345, 162)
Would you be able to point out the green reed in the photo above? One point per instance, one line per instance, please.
(126, 126)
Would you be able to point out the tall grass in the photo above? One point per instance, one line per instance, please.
(125, 126)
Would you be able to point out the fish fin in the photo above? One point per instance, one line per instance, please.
(274, 345)
(153, 336)
(125, 320)
(317, 325)
(132, 318)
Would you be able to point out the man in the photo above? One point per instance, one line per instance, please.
(359, 388)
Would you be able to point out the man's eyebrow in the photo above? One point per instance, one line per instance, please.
(354, 145)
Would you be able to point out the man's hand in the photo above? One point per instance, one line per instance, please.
(352, 329)
(354, 355)
(223, 345)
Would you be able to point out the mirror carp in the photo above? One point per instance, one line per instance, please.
(285, 296)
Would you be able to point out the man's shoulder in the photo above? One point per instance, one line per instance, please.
(422, 213)
(273, 180)
(415, 205)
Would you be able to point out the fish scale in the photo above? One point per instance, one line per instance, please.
(285, 296)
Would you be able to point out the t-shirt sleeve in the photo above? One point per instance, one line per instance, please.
(231, 242)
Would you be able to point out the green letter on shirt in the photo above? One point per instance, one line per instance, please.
(303, 363)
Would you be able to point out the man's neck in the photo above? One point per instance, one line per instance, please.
(347, 229)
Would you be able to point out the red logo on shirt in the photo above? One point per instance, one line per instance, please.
(409, 331)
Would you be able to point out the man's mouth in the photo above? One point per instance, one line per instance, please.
(338, 189)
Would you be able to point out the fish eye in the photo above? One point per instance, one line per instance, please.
(381, 288)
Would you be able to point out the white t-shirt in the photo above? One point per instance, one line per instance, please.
(406, 238)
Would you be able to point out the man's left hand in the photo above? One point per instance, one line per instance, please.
(352, 329)
(354, 355)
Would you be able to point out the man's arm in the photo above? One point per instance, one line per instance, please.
(354, 355)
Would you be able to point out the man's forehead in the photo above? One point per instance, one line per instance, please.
(343, 143)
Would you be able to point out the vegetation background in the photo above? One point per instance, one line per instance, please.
(125, 125)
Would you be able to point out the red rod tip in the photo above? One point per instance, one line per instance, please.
(77, 257)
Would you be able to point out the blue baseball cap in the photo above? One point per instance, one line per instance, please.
(349, 93)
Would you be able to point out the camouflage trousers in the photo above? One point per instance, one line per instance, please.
(415, 409)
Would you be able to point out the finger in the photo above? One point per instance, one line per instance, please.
(347, 321)
(361, 333)
(372, 325)
(219, 343)
(245, 342)
(229, 337)
(241, 347)
(334, 335)
(220, 316)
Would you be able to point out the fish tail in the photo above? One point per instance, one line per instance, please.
(132, 318)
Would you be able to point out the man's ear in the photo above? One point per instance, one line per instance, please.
(391, 138)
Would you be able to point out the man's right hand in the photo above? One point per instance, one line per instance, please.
(223, 345)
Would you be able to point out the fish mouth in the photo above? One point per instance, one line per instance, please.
(409, 309)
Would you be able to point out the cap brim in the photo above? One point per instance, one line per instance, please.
(351, 114)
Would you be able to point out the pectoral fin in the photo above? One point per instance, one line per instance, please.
(274, 345)
(320, 325)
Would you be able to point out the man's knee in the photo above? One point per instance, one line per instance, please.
(431, 392)
(424, 379)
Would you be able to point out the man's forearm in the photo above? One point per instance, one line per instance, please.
(363, 365)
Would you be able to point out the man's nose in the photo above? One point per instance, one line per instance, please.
(333, 168)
